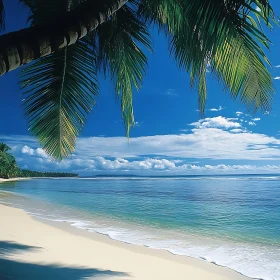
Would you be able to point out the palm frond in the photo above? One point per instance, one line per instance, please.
(224, 36)
(59, 93)
(119, 54)
(59, 89)
(203, 32)
(244, 74)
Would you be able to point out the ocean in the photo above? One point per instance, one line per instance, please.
(232, 221)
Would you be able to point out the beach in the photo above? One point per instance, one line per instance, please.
(12, 180)
(149, 228)
(32, 249)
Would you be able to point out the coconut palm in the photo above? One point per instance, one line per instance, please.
(71, 41)
(8, 165)
(4, 148)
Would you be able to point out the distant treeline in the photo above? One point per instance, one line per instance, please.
(10, 169)
(30, 173)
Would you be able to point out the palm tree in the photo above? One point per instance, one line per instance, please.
(4, 148)
(72, 40)
(8, 165)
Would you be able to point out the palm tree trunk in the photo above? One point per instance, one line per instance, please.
(23, 46)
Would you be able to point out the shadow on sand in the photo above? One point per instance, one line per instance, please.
(16, 270)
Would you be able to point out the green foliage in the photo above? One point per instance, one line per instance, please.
(59, 92)
(119, 54)
(59, 89)
(10, 169)
(4, 148)
(8, 166)
(224, 37)
(36, 174)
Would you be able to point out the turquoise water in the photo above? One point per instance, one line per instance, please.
(231, 221)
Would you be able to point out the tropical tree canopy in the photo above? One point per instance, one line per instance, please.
(74, 40)
(8, 165)
(10, 169)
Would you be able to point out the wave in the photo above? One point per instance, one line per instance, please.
(250, 257)
(203, 177)
(252, 260)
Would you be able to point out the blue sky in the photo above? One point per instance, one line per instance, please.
(170, 137)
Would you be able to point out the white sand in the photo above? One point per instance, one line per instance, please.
(63, 252)
(12, 179)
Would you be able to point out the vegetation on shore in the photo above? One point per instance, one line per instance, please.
(9, 168)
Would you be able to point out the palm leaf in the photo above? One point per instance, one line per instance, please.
(244, 74)
(59, 89)
(119, 54)
(203, 33)
(59, 92)
(226, 36)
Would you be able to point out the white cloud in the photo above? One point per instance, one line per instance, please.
(210, 139)
(236, 130)
(205, 142)
(33, 152)
(238, 114)
(41, 153)
(148, 165)
(233, 168)
(256, 119)
(220, 122)
(277, 66)
(216, 109)
(277, 78)
(27, 150)
(252, 123)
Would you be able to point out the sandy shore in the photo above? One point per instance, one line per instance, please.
(12, 179)
(31, 249)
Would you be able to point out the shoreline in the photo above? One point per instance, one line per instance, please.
(163, 253)
(64, 244)
(2, 180)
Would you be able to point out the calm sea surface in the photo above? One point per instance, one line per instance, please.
(231, 221)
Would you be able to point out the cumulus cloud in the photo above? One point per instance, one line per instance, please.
(148, 165)
(236, 130)
(27, 150)
(41, 153)
(252, 123)
(221, 168)
(277, 66)
(238, 114)
(220, 122)
(208, 140)
(33, 152)
(256, 119)
(277, 78)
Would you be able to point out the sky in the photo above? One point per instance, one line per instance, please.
(170, 137)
